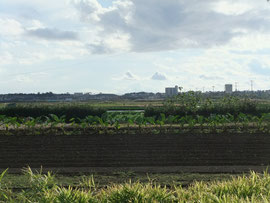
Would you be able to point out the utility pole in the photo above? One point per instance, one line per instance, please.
(213, 88)
(251, 85)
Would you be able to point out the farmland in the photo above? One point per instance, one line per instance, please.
(188, 113)
(182, 135)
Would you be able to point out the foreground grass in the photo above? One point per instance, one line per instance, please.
(22, 181)
(43, 188)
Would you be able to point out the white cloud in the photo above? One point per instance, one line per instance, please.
(10, 27)
(127, 76)
(159, 76)
(35, 24)
(113, 43)
(232, 7)
(89, 9)
(130, 76)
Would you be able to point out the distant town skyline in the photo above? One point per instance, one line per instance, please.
(133, 45)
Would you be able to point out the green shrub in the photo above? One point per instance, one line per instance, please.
(185, 105)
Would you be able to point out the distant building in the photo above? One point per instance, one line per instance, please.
(78, 94)
(171, 91)
(228, 88)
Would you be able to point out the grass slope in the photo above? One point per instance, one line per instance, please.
(43, 188)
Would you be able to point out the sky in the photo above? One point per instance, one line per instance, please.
(121, 46)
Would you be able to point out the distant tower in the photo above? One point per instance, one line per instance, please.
(176, 90)
(236, 83)
(228, 88)
(251, 85)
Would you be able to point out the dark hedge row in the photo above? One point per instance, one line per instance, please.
(245, 108)
(70, 111)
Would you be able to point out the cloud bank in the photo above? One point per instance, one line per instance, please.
(157, 25)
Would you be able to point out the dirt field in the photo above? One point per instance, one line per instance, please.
(139, 153)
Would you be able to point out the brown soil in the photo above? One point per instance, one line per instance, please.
(142, 153)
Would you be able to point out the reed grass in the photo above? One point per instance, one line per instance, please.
(254, 187)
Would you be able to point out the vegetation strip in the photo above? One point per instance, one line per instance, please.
(187, 113)
(43, 188)
(134, 123)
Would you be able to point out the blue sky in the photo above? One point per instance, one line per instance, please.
(133, 45)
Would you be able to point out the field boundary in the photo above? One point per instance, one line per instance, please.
(164, 169)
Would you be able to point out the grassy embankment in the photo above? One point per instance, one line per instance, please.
(47, 188)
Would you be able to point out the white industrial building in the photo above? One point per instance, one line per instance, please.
(228, 88)
(171, 91)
